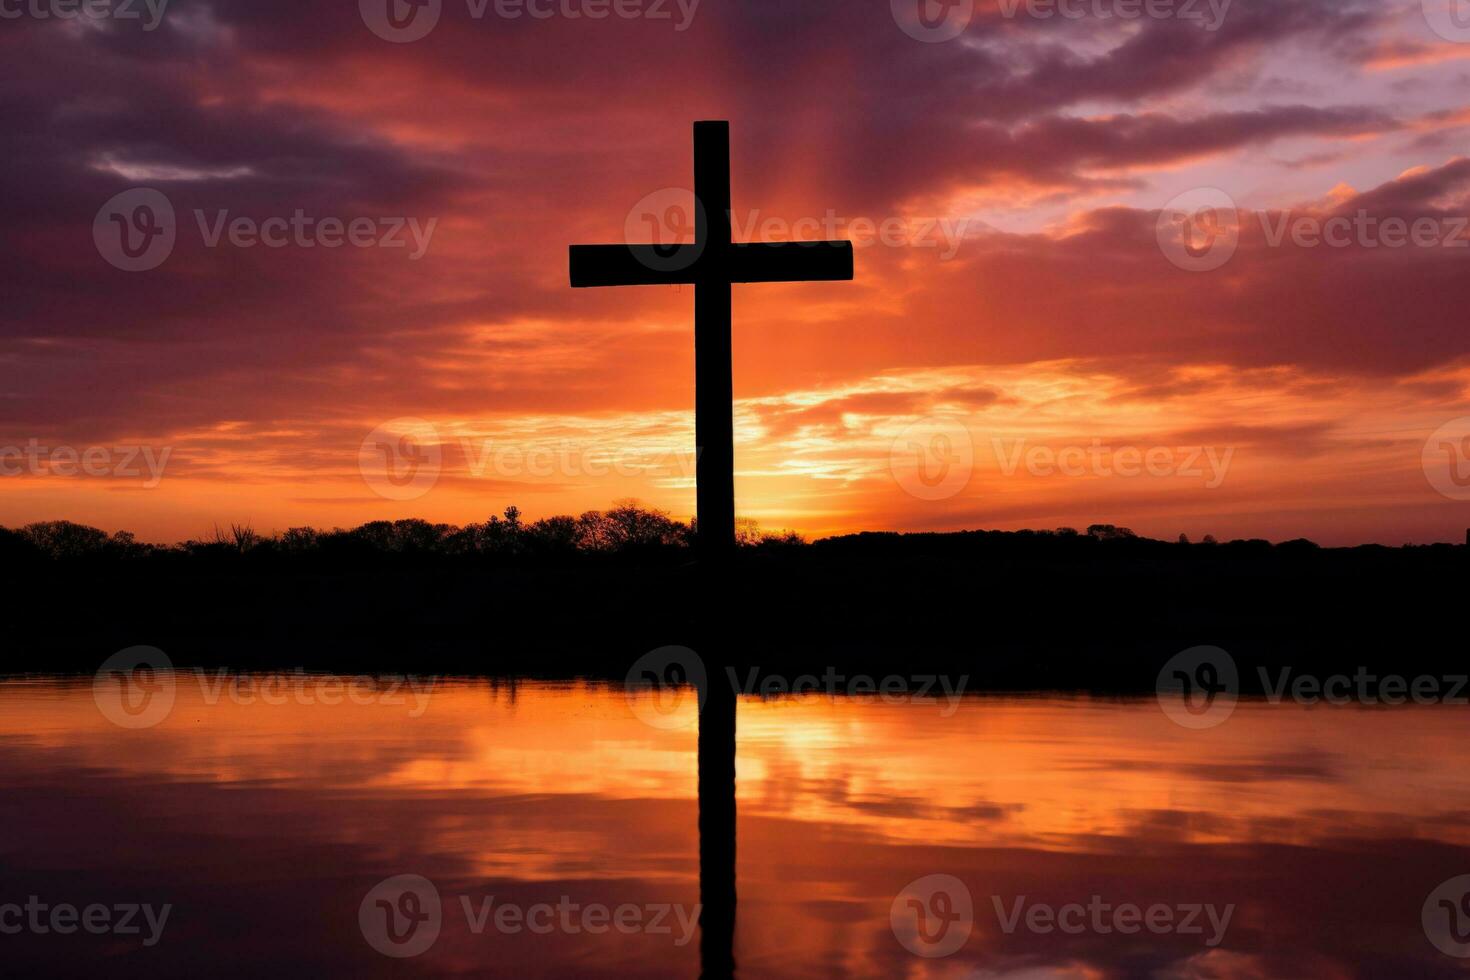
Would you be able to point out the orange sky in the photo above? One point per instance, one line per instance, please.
(1020, 329)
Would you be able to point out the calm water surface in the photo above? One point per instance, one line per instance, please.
(559, 832)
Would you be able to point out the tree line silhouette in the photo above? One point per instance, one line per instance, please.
(1098, 608)
(626, 530)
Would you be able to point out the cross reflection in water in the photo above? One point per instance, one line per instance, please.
(717, 826)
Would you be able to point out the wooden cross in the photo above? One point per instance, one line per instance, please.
(711, 264)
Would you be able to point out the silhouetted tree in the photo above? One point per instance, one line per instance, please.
(300, 539)
(554, 535)
(240, 538)
(629, 525)
(63, 539)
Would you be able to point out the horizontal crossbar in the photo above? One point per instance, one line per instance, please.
(654, 265)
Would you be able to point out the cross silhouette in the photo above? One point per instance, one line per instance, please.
(711, 264)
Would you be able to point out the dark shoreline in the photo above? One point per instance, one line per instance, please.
(1011, 611)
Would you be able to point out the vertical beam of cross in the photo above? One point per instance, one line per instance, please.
(711, 264)
(714, 391)
(717, 827)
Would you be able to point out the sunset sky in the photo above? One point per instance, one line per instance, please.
(1029, 298)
